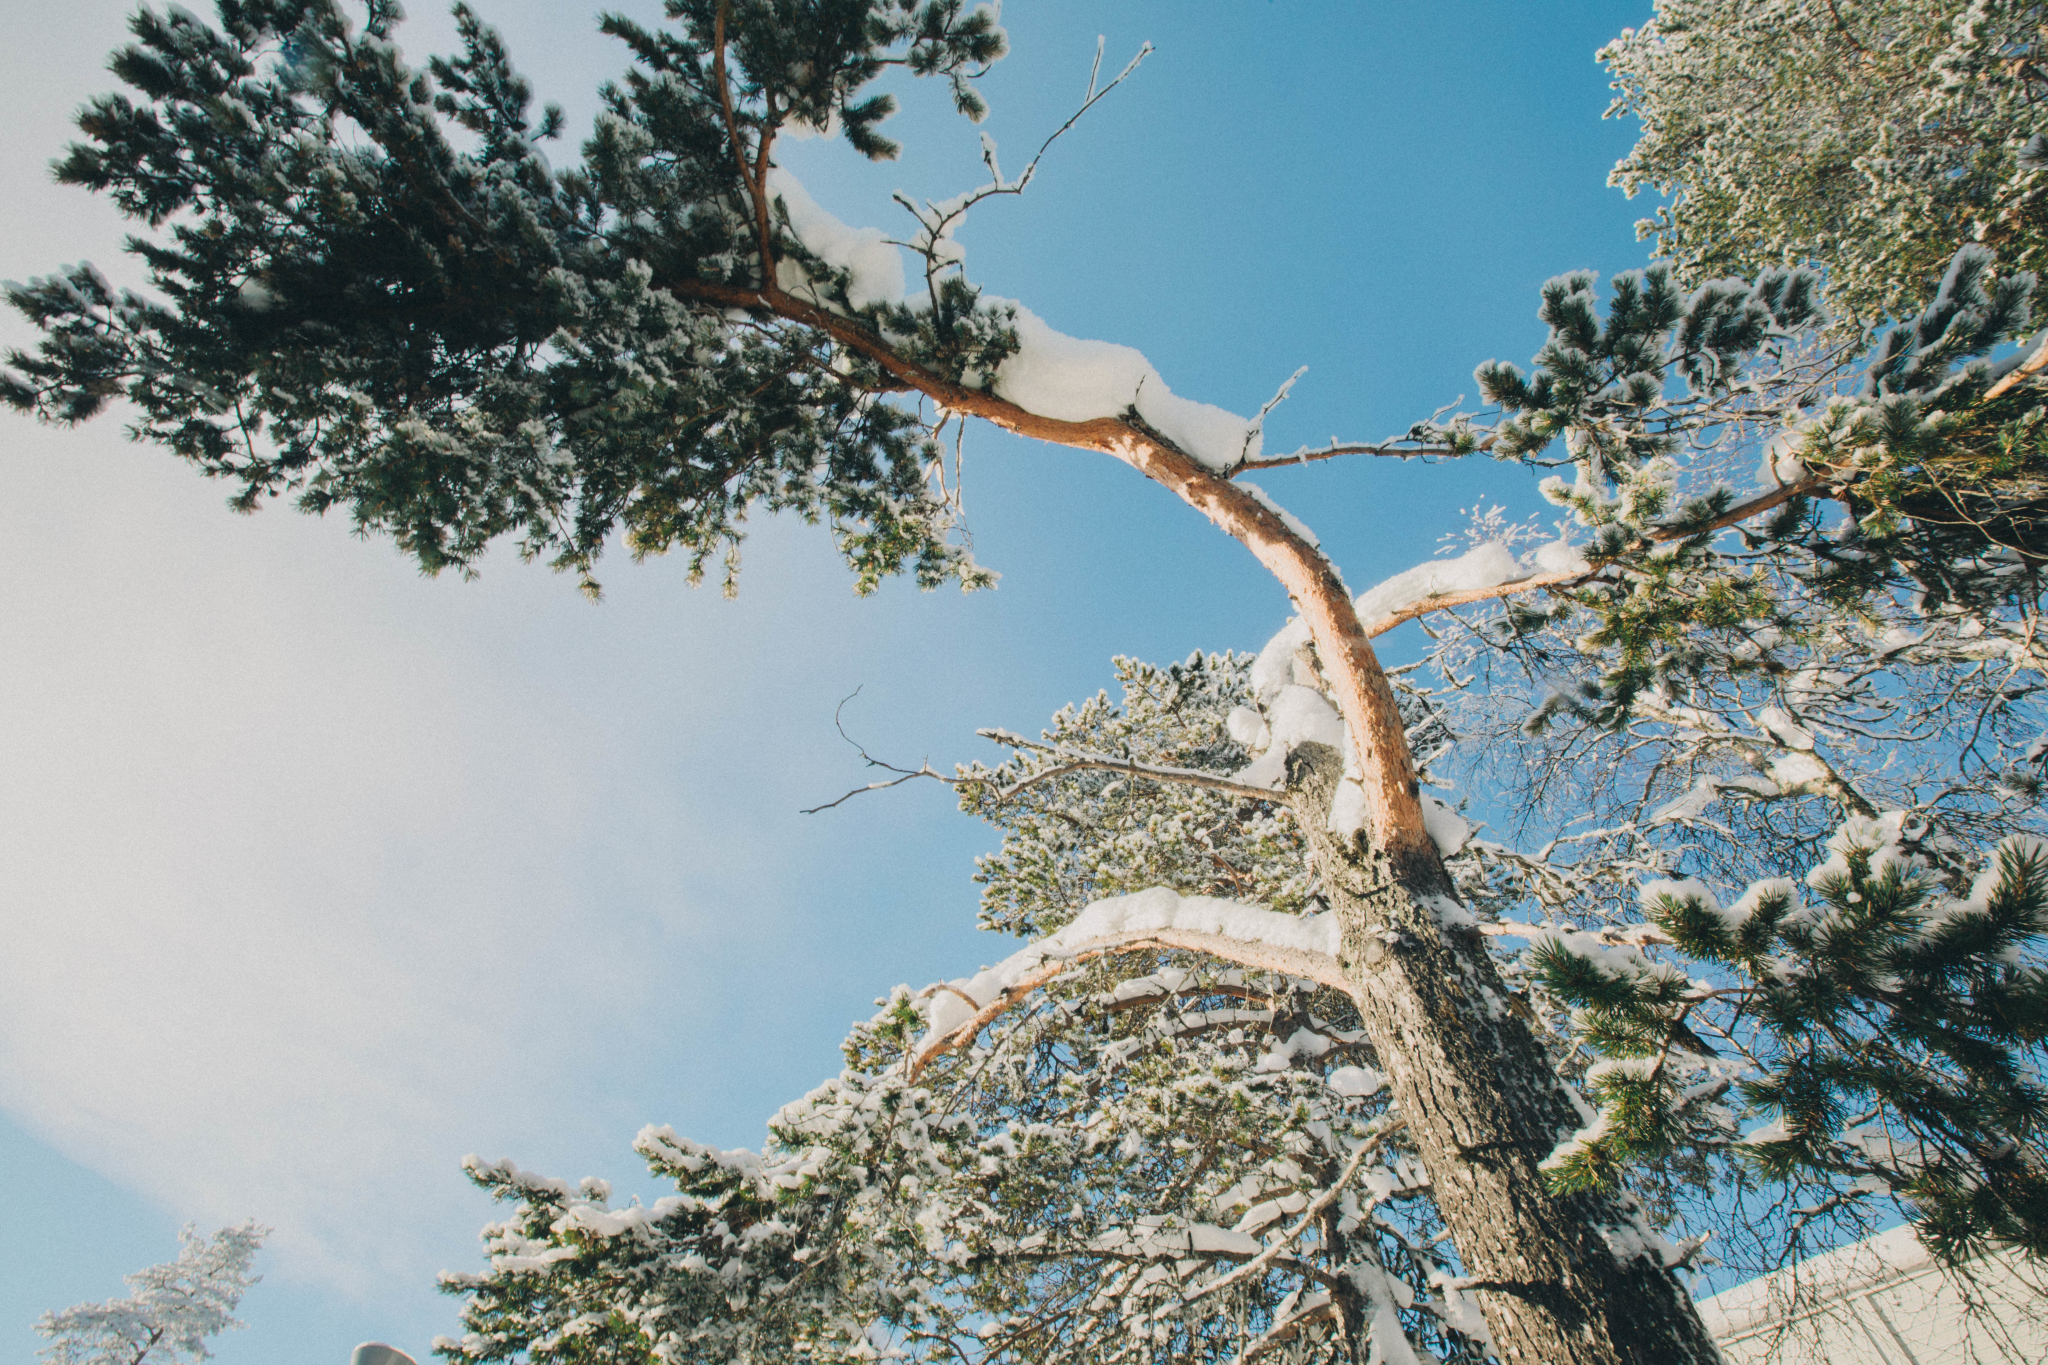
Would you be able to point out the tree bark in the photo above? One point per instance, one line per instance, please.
(1562, 1279)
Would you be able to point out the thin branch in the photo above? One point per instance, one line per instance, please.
(1783, 493)
(1071, 762)
(904, 774)
(1842, 25)
(1258, 423)
(1076, 761)
(1094, 95)
(908, 775)
(755, 192)
(1308, 455)
(936, 223)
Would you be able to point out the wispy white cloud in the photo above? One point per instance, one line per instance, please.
(289, 893)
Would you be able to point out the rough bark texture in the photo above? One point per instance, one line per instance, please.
(1484, 1107)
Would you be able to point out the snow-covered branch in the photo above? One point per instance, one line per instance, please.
(1386, 1129)
(1303, 947)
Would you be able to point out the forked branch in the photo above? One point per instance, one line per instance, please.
(903, 775)
(937, 221)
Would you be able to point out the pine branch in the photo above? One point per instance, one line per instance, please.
(1308, 1215)
(1661, 535)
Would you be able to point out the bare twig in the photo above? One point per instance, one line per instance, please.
(1076, 761)
(1308, 455)
(924, 769)
(1259, 422)
(935, 222)
(908, 775)
(1071, 761)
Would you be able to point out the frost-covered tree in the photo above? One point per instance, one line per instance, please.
(372, 291)
(1158, 1133)
(176, 1306)
(1155, 1133)
(1869, 136)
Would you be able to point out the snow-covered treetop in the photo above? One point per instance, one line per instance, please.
(176, 1306)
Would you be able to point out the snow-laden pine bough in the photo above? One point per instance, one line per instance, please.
(382, 296)
(1189, 1162)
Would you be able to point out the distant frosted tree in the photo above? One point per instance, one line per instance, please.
(1872, 135)
(176, 1306)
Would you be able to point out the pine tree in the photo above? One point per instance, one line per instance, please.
(374, 293)
(1869, 136)
(175, 1308)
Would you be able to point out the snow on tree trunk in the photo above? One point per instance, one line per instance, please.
(1572, 1279)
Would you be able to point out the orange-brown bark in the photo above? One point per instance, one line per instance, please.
(1345, 651)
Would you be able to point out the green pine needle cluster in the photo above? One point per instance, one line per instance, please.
(1892, 1028)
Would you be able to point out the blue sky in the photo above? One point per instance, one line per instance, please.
(319, 874)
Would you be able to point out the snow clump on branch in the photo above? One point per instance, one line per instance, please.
(873, 264)
(1073, 380)
(1054, 375)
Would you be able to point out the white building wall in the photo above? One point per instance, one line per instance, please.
(1885, 1301)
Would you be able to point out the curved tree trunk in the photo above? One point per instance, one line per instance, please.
(1560, 1278)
